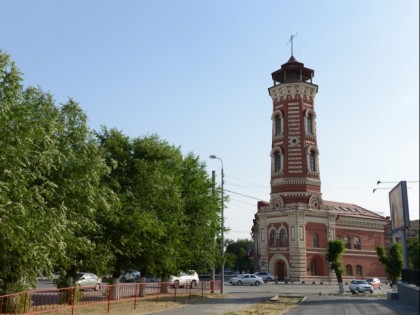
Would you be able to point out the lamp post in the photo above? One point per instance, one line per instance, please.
(222, 272)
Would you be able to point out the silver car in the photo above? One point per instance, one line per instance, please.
(267, 277)
(246, 279)
(87, 279)
(360, 286)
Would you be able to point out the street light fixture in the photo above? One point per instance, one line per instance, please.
(222, 272)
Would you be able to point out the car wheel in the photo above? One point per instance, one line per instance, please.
(353, 292)
(257, 283)
(193, 284)
(176, 283)
(371, 291)
(379, 287)
(239, 283)
(269, 279)
(97, 287)
(123, 279)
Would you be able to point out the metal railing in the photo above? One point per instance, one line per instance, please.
(53, 300)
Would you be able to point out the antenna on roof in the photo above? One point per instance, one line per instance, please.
(291, 41)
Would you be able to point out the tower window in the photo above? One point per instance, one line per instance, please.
(278, 125)
(312, 164)
(309, 125)
(278, 162)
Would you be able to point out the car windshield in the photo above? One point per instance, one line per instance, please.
(362, 282)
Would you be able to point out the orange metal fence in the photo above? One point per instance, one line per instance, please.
(52, 300)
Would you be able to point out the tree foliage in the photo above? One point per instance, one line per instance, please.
(238, 251)
(392, 261)
(413, 247)
(101, 202)
(49, 174)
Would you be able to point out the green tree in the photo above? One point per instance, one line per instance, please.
(392, 261)
(167, 215)
(240, 249)
(414, 251)
(335, 252)
(49, 183)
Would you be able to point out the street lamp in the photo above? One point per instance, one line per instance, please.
(222, 272)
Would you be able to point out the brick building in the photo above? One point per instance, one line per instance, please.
(291, 232)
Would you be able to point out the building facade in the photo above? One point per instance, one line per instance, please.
(292, 231)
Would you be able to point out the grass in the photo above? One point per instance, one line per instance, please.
(127, 307)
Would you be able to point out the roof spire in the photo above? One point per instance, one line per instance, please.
(291, 41)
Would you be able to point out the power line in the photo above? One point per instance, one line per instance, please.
(233, 192)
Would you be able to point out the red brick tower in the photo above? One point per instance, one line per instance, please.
(295, 176)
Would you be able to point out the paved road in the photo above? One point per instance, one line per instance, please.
(319, 299)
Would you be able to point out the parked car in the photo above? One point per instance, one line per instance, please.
(360, 286)
(267, 277)
(130, 275)
(189, 278)
(374, 282)
(55, 277)
(246, 279)
(83, 280)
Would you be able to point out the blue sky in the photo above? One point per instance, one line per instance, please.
(197, 72)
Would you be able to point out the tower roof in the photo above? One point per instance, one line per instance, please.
(293, 71)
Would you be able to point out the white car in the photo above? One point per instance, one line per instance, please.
(246, 279)
(360, 286)
(267, 277)
(184, 279)
(130, 275)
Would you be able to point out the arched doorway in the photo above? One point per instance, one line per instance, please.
(279, 267)
(317, 266)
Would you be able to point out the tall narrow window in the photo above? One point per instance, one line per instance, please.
(316, 240)
(273, 238)
(347, 242)
(277, 162)
(349, 270)
(309, 125)
(283, 236)
(278, 125)
(312, 161)
(359, 271)
(357, 245)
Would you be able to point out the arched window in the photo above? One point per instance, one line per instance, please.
(283, 236)
(316, 240)
(312, 161)
(347, 242)
(277, 162)
(349, 270)
(359, 271)
(273, 238)
(278, 125)
(309, 124)
(357, 245)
